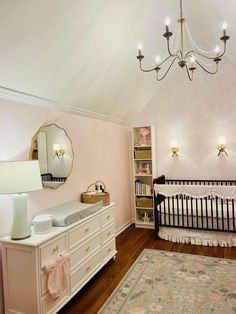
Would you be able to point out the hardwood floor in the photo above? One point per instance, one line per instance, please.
(130, 244)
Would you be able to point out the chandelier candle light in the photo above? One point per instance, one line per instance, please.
(191, 59)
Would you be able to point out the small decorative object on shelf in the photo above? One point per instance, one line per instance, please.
(146, 217)
(144, 170)
(144, 133)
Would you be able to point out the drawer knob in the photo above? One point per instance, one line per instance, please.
(109, 233)
(87, 249)
(109, 250)
(108, 217)
(88, 268)
(86, 230)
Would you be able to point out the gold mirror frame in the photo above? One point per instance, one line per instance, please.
(57, 155)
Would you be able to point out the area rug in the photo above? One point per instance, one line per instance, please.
(169, 282)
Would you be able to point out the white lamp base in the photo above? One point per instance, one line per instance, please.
(20, 225)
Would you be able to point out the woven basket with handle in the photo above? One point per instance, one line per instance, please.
(91, 196)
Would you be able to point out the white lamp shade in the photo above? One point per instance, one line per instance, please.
(19, 177)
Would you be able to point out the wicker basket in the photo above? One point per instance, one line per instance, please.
(146, 202)
(92, 196)
(142, 153)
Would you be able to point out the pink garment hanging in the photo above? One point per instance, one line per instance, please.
(58, 270)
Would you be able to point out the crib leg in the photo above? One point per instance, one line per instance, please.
(156, 232)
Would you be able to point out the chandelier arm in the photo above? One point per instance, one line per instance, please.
(189, 76)
(144, 70)
(168, 47)
(204, 56)
(166, 70)
(170, 53)
(207, 71)
(165, 60)
(221, 55)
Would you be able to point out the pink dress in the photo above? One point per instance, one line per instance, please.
(57, 270)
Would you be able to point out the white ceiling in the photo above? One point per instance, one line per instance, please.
(81, 53)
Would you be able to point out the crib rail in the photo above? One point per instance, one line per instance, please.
(49, 177)
(208, 213)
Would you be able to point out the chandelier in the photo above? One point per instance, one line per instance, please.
(189, 60)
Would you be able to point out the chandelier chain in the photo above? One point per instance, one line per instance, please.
(181, 26)
(194, 44)
(181, 9)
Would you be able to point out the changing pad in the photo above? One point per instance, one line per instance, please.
(67, 213)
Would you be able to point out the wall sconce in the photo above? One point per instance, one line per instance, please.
(58, 152)
(174, 148)
(221, 146)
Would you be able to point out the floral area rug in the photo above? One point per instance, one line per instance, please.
(169, 282)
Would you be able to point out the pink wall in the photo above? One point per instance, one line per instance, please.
(195, 114)
(101, 152)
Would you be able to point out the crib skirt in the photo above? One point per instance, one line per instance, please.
(197, 237)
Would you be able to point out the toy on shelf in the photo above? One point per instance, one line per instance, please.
(144, 168)
(144, 133)
(148, 171)
(146, 218)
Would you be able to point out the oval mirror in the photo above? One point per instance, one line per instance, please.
(53, 149)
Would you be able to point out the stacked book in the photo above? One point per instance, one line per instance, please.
(142, 188)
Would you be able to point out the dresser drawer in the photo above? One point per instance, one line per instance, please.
(50, 250)
(48, 303)
(108, 217)
(83, 231)
(108, 233)
(79, 254)
(108, 250)
(83, 272)
(43, 283)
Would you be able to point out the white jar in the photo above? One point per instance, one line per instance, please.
(42, 223)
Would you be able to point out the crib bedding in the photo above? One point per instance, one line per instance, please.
(199, 207)
(196, 191)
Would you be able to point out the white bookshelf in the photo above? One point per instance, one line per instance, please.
(144, 171)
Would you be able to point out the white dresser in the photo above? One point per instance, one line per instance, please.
(91, 244)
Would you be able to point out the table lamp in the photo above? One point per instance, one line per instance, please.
(18, 177)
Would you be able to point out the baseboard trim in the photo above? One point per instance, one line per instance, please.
(124, 226)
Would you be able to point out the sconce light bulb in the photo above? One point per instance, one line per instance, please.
(221, 140)
(56, 147)
(140, 46)
(173, 144)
